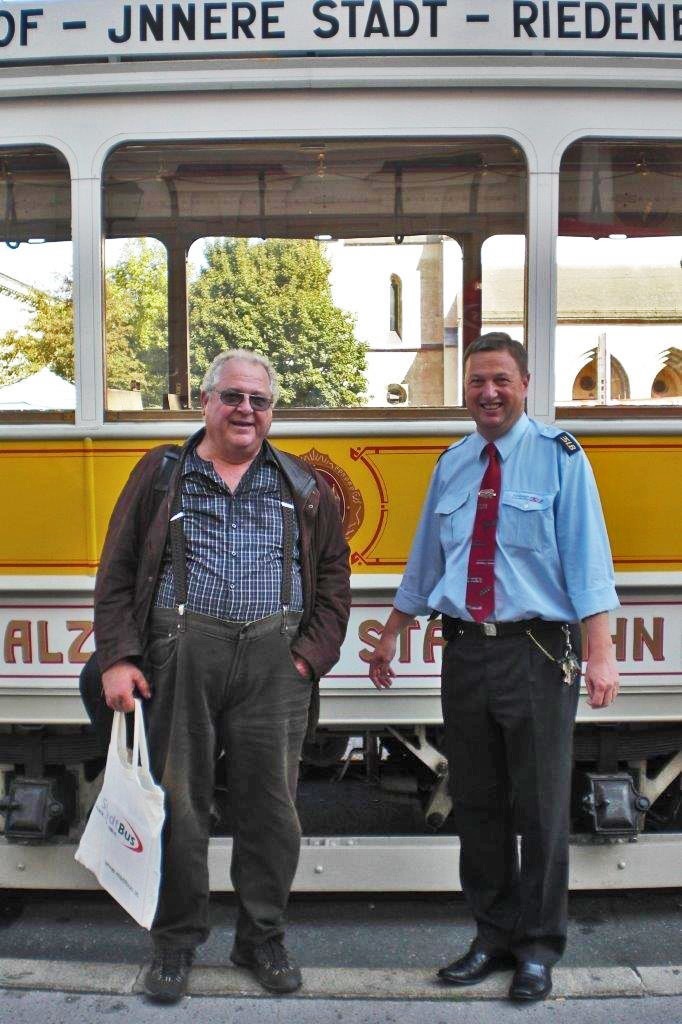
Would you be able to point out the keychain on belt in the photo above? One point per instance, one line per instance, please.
(568, 662)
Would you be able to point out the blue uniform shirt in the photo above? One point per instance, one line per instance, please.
(552, 556)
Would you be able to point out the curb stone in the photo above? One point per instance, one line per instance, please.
(340, 982)
(661, 981)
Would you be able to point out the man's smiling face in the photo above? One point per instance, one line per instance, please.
(236, 432)
(494, 392)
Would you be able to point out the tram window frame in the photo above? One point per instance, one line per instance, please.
(319, 151)
(22, 225)
(625, 217)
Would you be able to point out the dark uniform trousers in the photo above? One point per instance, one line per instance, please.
(233, 686)
(508, 725)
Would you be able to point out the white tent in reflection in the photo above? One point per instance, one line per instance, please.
(43, 390)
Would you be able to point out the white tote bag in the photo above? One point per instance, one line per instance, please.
(121, 843)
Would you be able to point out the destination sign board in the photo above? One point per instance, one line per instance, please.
(62, 30)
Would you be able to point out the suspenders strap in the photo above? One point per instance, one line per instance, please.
(178, 554)
(287, 504)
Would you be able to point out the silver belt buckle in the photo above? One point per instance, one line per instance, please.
(489, 628)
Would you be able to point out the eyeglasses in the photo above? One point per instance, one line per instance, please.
(259, 403)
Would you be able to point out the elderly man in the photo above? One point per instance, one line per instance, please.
(222, 605)
(512, 550)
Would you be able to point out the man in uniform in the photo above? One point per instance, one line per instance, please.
(222, 605)
(512, 551)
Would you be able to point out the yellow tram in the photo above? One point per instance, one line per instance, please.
(360, 189)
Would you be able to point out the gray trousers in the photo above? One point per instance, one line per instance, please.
(233, 686)
(508, 735)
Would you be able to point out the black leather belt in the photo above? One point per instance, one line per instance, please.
(490, 630)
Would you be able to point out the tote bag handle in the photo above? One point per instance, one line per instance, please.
(118, 739)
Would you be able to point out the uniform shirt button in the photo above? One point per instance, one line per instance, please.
(232, 586)
(234, 526)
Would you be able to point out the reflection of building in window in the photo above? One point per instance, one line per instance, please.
(620, 232)
(410, 327)
(396, 311)
(636, 310)
(668, 381)
(588, 386)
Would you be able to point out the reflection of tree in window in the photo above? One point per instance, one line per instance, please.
(273, 296)
(396, 305)
(668, 381)
(586, 383)
(36, 328)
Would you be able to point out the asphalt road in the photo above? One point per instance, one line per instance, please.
(18, 1007)
(608, 929)
(76, 958)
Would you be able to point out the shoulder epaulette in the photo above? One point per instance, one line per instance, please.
(568, 442)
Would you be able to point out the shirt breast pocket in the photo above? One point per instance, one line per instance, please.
(525, 520)
(454, 519)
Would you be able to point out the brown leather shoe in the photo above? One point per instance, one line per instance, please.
(531, 982)
(473, 967)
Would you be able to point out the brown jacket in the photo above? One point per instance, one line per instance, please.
(136, 540)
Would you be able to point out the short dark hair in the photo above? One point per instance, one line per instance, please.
(498, 341)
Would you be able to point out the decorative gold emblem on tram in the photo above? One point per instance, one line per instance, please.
(348, 496)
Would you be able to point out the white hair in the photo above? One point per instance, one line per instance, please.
(212, 374)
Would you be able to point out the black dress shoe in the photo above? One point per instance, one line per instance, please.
(473, 967)
(531, 982)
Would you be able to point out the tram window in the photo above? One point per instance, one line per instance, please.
(136, 324)
(36, 308)
(619, 255)
(295, 248)
(503, 277)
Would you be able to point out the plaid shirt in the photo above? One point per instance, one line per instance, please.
(233, 544)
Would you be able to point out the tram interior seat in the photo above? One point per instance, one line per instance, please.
(121, 400)
(172, 401)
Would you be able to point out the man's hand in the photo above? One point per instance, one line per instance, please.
(601, 674)
(302, 666)
(121, 681)
(380, 671)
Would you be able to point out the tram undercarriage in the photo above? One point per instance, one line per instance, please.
(374, 807)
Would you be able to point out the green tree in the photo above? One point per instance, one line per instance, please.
(274, 297)
(137, 320)
(46, 340)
